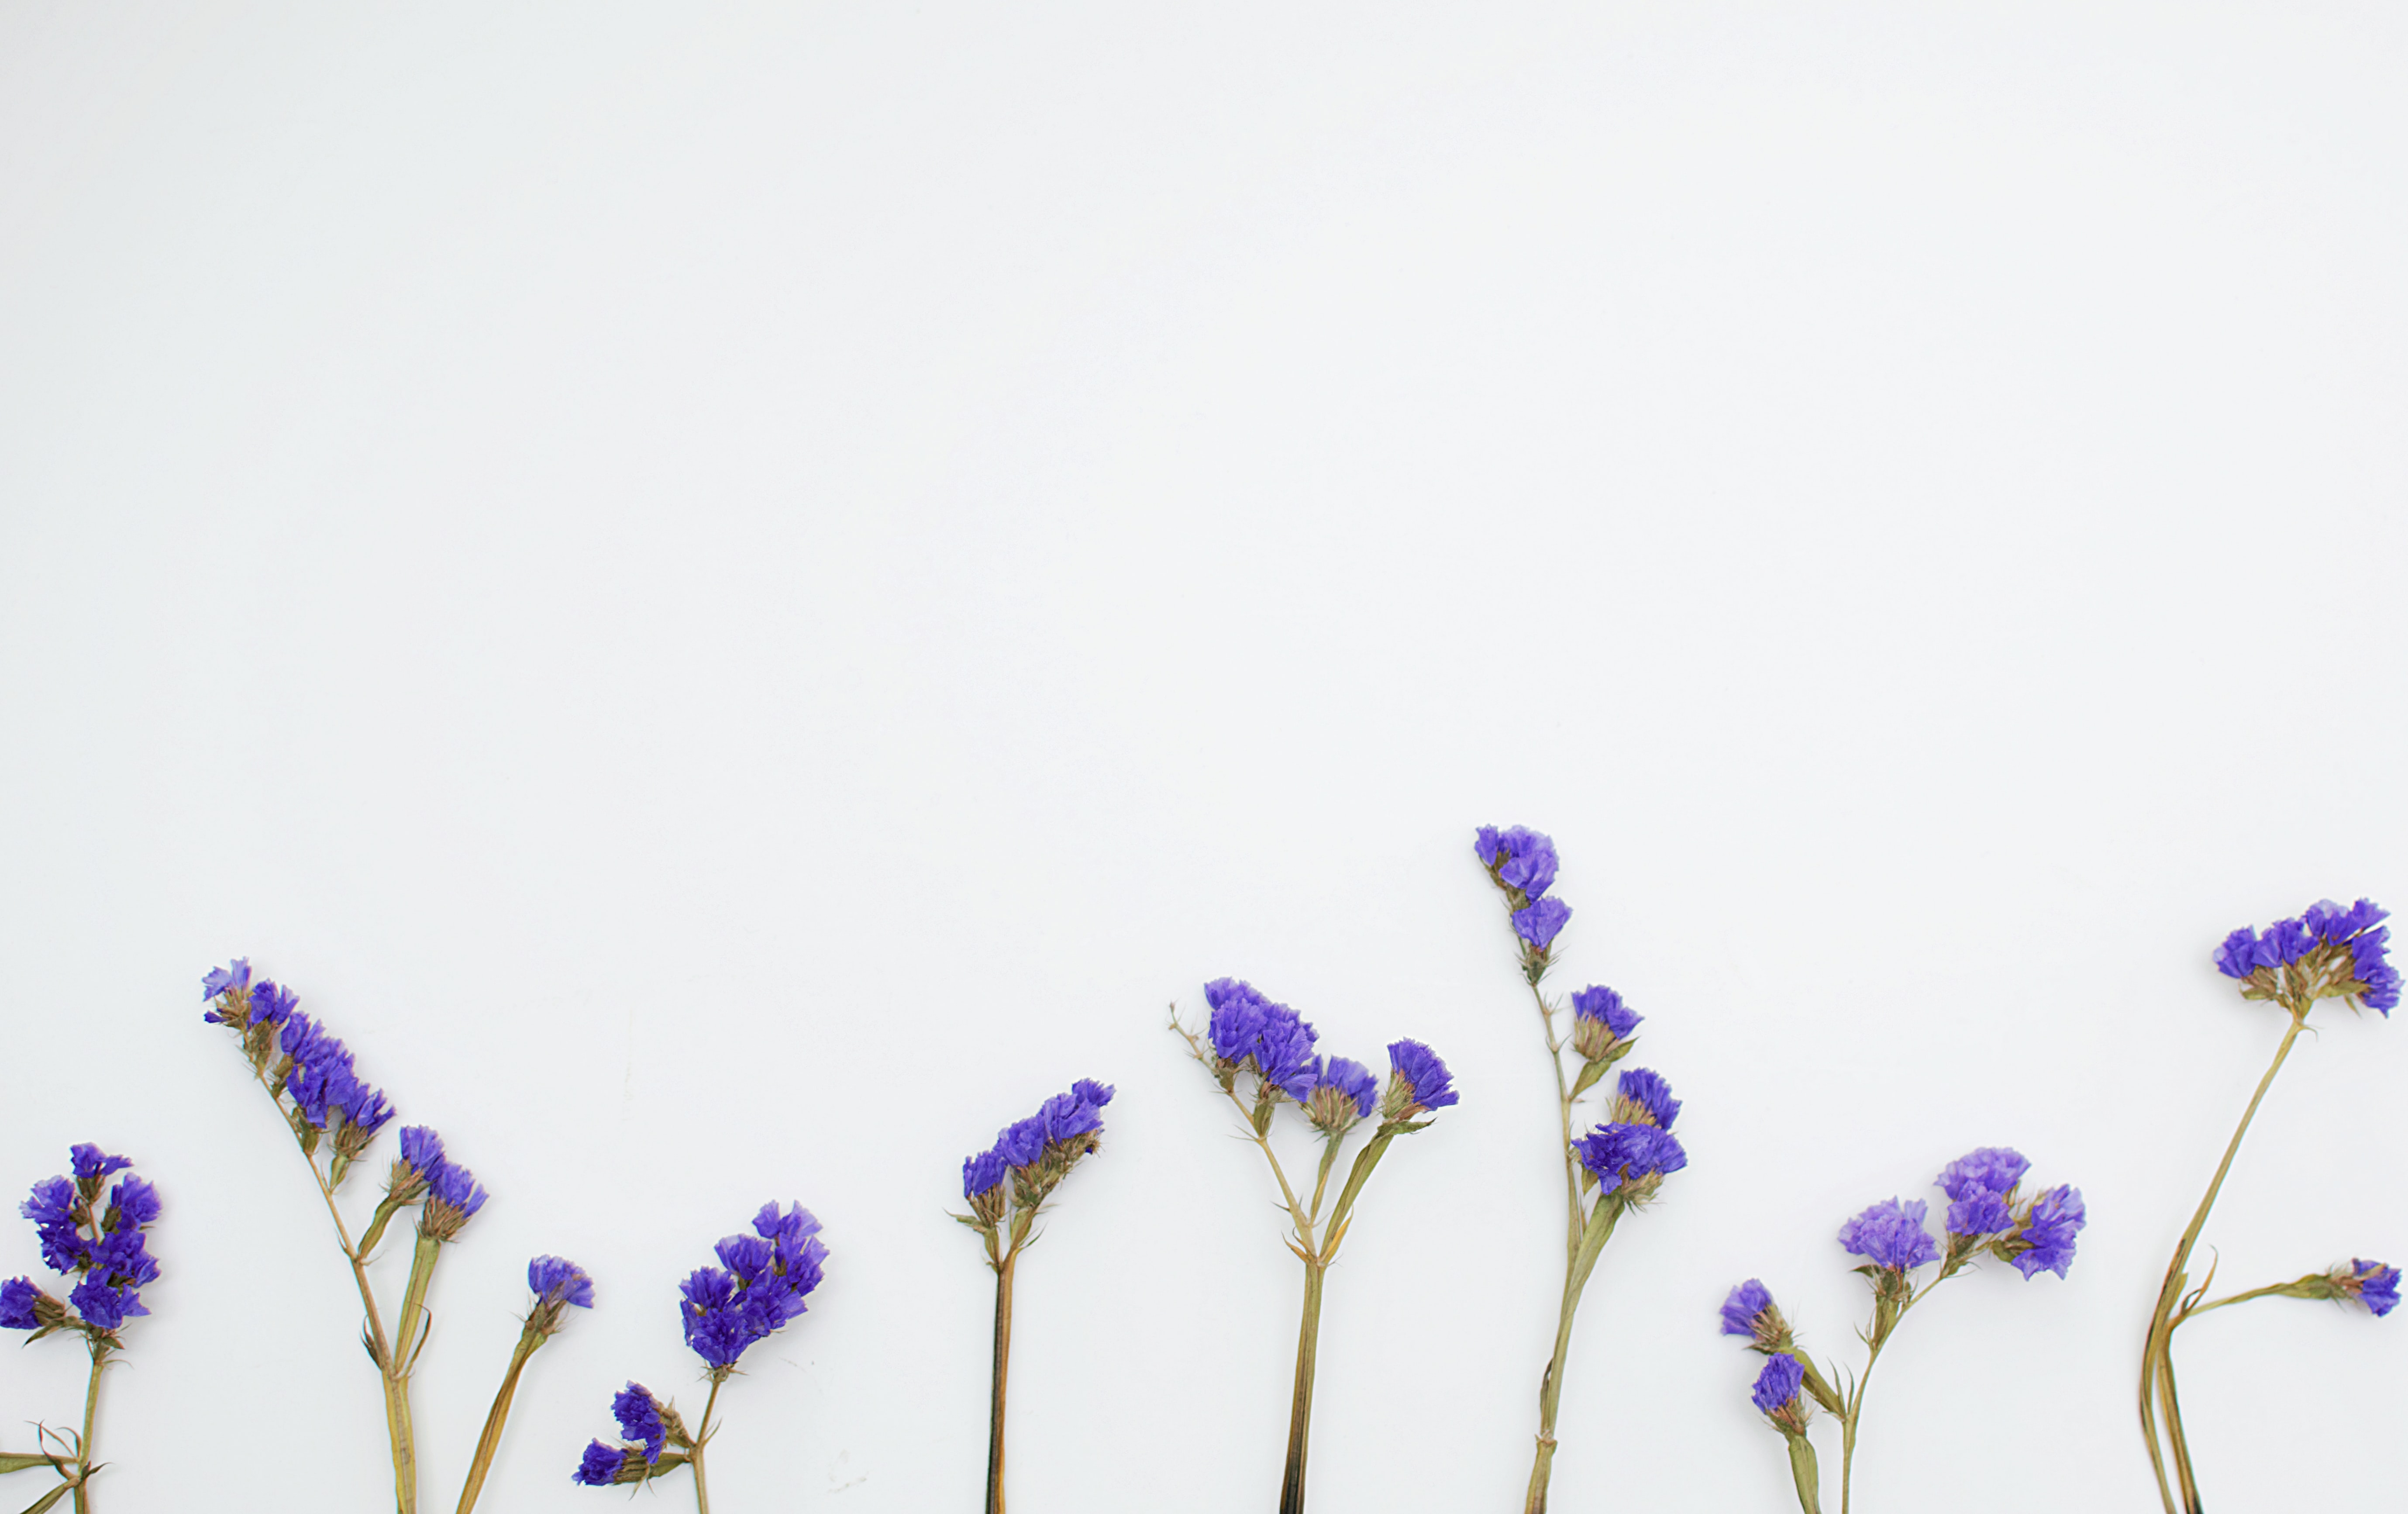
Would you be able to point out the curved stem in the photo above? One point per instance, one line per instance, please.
(2157, 1360)
(701, 1487)
(1003, 1276)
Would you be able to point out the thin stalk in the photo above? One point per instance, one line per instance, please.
(2157, 1357)
(1564, 1097)
(701, 1485)
(487, 1443)
(1003, 1277)
(409, 1335)
(1299, 1422)
(1596, 1230)
(91, 1407)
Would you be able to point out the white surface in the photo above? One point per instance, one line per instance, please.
(736, 596)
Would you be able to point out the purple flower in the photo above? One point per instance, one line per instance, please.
(56, 1211)
(1598, 1003)
(271, 1004)
(1996, 1168)
(2240, 955)
(1777, 1385)
(453, 1185)
(2043, 1241)
(769, 1274)
(638, 1414)
(1891, 1235)
(1079, 1112)
(421, 1149)
(1541, 922)
(18, 1298)
(132, 1201)
(1747, 1302)
(1645, 1093)
(1418, 1080)
(559, 1280)
(601, 1467)
(2377, 1287)
(1022, 1142)
(1521, 858)
(1351, 1079)
(982, 1172)
(91, 1164)
(1247, 1029)
(235, 977)
(1980, 1212)
(1621, 1154)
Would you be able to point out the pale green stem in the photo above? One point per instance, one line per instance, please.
(91, 1407)
(1003, 1277)
(488, 1443)
(1596, 1230)
(2157, 1360)
(701, 1485)
(410, 1335)
(1299, 1420)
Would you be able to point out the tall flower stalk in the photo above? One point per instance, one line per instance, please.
(1619, 1166)
(1988, 1214)
(1250, 1037)
(2327, 952)
(1035, 1155)
(758, 1287)
(310, 1077)
(103, 1248)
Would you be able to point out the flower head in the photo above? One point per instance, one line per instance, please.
(1541, 922)
(453, 1196)
(638, 1414)
(1641, 1097)
(603, 1463)
(2043, 1237)
(21, 1306)
(1891, 1235)
(59, 1213)
(1417, 1080)
(1630, 1159)
(2371, 1283)
(232, 978)
(92, 1165)
(1996, 1168)
(1518, 857)
(1776, 1393)
(2327, 952)
(1252, 1033)
(1751, 1314)
(1344, 1091)
(1601, 1023)
(559, 1280)
(766, 1277)
(982, 1172)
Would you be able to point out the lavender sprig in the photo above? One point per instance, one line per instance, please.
(1035, 1154)
(2326, 952)
(1623, 1161)
(759, 1288)
(1249, 1037)
(334, 1116)
(1989, 1214)
(104, 1249)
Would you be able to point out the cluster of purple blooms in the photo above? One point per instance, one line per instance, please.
(1038, 1150)
(103, 1248)
(318, 1075)
(759, 1287)
(1629, 1154)
(1523, 861)
(1251, 1033)
(2032, 1235)
(2369, 1283)
(2328, 952)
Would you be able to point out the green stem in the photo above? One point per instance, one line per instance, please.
(489, 1442)
(1803, 1471)
(91, 1407)
(1299, 1422)
(1564, 1097)
(701, 1485)
(2157, 1358)
(1596, 1231)
(410, 1327)
(1003, 1277)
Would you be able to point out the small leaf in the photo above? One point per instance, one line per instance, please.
(38, 1504)
(1588, 1078)
(20, 1462)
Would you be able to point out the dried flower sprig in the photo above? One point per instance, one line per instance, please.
(1622, 1162)
(2326, 952)
(1249, 1037)
(334, 1116)
(103, 1248)
(1007, 1186)
(759, 1286)
(1988, 1214)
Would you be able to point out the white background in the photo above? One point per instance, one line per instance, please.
(735, 596)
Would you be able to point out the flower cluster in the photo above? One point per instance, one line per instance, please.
(758, 1286)
(647, 1427)
(1036, 1153)
(1776, 1393)
(1250, 1033)
(2033, 1235)
(2369, 1283)
(556, 1283)
(102, 1247)
(1523, 863)
(308, 1069)
(2327, 952)
(1629, 1155)
(1603, 1024)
